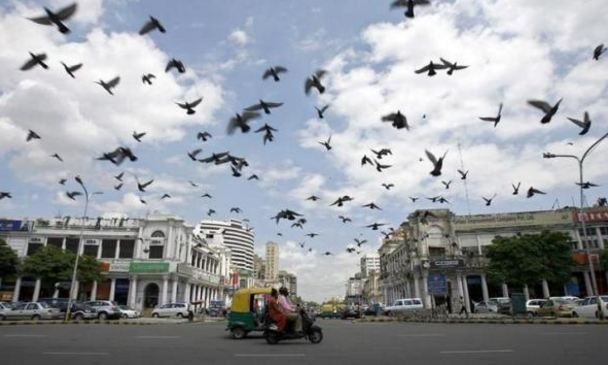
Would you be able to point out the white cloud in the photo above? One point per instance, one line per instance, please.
(239, 37)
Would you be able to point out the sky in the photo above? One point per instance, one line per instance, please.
(516, 50)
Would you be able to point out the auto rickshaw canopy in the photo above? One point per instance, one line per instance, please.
(241, 301)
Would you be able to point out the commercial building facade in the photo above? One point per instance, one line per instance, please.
(271, 273)
(289, 281)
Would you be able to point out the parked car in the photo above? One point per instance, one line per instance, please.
(128, 312)
(81, 311)
(179, 310)
(532, 306)
(105, 309)
(588, 308)
(557, 307)
(350, 312)
(484, 307)
(33, 311)
(4, 307)
(401, 306)
(373, 310)
(59, 303)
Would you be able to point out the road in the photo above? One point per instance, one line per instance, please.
(344, 343)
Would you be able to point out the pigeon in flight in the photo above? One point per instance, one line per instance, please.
(210, 212)
(409, 4)
(597, 52)
(235, 172)
(62, 181)
(189, 106)
(312, 235)
(314, 198)
(216, 158)
(399, 120)
(57, 18)
(192, 183)
(147, 78)
(119, 176)
(350, 249)
(321, 111)
(584, 125)
(5, 194)
(341, 200)
(516, 188)
(375, 226)
(366, 160)
(489, 200)
(274, 72)
(452, 66)
(177, 64)
(151, 25)
(360, 242)
(587, 185)
(268, 136)
(204, 136)
(117, 187)
(382, 152)
(463, 174)
(207, 195)
(302, 244)
(532, 192)
(71, 69)
(286, 214)
(35, 59)
(263, 105)
(327, 253)
(253, 177)
(31, 135)
(344, 219)
(380, 167)
(437, 163)
(118, 156)
(447, 184)
(413, 198)
(73, 194)
(495, 119)
(165, 196)
(602, 202)
(142, 187)
(388, 186)
(326, 144)
(241, 120)
(545, 107)
(56, 155)
(431, 69)
(371, 206)
(235, 210)
(108, 86)
(138, 136)
(141, 200)
(315, 81)
(194, 153)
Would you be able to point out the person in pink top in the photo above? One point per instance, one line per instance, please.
(290, 310)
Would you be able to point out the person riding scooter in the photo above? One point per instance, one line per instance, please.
(275, 311)
(291, 311)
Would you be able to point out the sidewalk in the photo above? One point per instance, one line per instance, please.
(484, 318)
(142, 321)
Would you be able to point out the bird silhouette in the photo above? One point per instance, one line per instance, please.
(495, 119)
(545, 107)
(430, 69)
(147, 78)
(73, 194)
(409, 4)
(489, 200)
(274, 72)
(263, 105)
(236, 210)
(117, 187)
(399, 120)
(241, 120)
(597, 52)
(301, 244)
(31, 135)
(253, 177)
(118, 156)
(71, 69)
(151, 25)
(587, 185)
(138, 136)
(532, 191)
(286, 214)
(141, 200)
(57, 18)
(452, 66)
(177, 64)
(321, 111)
(463, 174)
(62, 181)
(165, 196)
(210, 212)
(204, 136)
(189, 106)
(56, 155)
(366, 160)
(381, 153)
(341, 200)
(327, 253)
(375, 226)
(35, 59)
(192, 183)
(207, 195)
(194, 153)
(119, 176)
(235, 172)
(380, 167)
(216, 158)
(315, 81)
(437, 163)
(388, 186)
(268, 136)
(326, 144)
(516, 188)
(344, 219)
(413, 199)
(5, 194)
(142, 186)
(360, 242)
(447, 184)
(312, 235)
(584, 125)
(109, 85)
(371, 206)
(314, 198)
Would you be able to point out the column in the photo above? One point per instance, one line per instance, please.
(63, 243)
(36, 290)
(417, 287)
(408, 288)
(94, 291)
(588, 287)
(505, 290)
(426, 299)
(133, 291)
(460, 293)
(465, 289)
(174, 291)
(484, 288)
(546, 293)
(526, 292)
(112, 288)
(117, 252)
(56, 293)
(163, 295)
(17, 290)
(187, 293)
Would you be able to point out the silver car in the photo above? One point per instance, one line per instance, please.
(33, 311)
(105, 309)
(179, 310)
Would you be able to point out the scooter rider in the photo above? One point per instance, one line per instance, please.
(290, 310)
(275, 311)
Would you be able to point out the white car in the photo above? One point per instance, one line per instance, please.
(532, 306)
(588, 309)
(33, 311)
(404, 305)
(127, 312)
(179, 310)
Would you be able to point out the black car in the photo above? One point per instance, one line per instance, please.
(82, 311)
(59, 303)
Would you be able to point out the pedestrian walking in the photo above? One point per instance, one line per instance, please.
(463, 308)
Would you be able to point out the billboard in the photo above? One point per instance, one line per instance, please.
(9, 225)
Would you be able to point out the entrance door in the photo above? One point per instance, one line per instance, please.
(151, 295)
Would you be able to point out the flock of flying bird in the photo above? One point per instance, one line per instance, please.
(241, 122)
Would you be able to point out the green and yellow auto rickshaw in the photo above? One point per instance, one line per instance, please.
(246, 312)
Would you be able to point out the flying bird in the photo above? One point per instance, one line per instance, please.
(516, 188)
(194, 153)
(268, 136)
(71, 69)
(119, 176)
(597, 52)
(587, 185)
(380, 167)
(532, 192)
(388, 186)
(312, 235)
(165, 196)
(210, 212)
(138, 136)
(235, 210)
(147, 78)
(314, 198)
(117, 187)
(413, 199)
(141, 200)
(452, 66)
(5, 194)
(31, 135)
(344, 219)
(241, 120)
(301, 244)
(235, 172)
(321, 111)
(57, 18)
(217, 158)
(315, 81)
(375, 226)
(341, 200)
(488, 200)
(327, 253)
(382, 152)
(431, 69)
(56, 155)
(399, 120)
(371, 206)
(437, 163)
(263, 105)
(192, 183)
(35, 59)
(189, 106)
(463, 174)
(274, 72)
(142, 187)
(109, 85)
(151, 25)
(204, 136)
(73, 194)
(62, 181)
(118, 156)
(326, 144)
(447, 184)
(253, 177)
(545, 107)
(360, 242)
(177, 64)
(207, 195)
(366, 160)
(495, 119)
(286, 214)
(584, 125)
(409, 4)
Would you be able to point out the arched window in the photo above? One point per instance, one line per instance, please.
(158, 234)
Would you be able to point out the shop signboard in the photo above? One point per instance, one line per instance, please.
(447, 264)
(120, 266)
(148, 267)
(438, 284)
(7, 225)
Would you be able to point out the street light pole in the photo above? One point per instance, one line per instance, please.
(582, 217)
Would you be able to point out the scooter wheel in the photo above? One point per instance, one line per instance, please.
(315, 336)
(272, 337)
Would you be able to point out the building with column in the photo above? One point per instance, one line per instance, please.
(145, 262)
(354, 290)
(271, 273)
(259, 270)
(369, 262)
(288, 280)
(439, 256)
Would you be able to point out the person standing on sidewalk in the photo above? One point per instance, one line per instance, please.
(463, 307)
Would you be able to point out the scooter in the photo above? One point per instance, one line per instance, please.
(311, 331)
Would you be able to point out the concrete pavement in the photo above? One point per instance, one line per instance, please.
(345, 342)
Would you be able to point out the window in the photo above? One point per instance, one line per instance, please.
(32, 306)
(209, 236)
(55, 242)
(590, 244)
(32, 248)
(604, 231)
(108, 249)
(158, 234)
(71, 244)
(20, 306)
(127, 247)
(590, 231)
(90, 250)
(156, 252)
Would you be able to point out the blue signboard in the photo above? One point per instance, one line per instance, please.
(438, 284)
(10, 225)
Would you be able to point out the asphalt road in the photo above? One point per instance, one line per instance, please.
(344, 343)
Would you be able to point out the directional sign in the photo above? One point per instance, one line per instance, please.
(438, 284)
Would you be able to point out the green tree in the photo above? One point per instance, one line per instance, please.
(9, 261)
(530, 258)
(89, 269)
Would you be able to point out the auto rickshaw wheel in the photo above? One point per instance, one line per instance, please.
(238, 333)
(272, 337)
(316, 336)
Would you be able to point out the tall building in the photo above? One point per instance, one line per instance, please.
(272, 262)
(369, 262)
(354, 289)
(290, 281)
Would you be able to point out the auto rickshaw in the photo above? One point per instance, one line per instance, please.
(246, 312)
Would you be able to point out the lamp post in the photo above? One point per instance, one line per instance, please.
(580, 161)
(75, 269)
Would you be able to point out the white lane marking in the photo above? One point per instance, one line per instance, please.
(157, 337)
(476, 351)
(77, 353)
(423, 335)
(269, 355)
(565, 333)
(17, 335)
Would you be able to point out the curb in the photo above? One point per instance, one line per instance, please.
(483, 321)
(85, 322)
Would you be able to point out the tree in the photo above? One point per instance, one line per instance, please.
(9, 261)
(529, 258)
